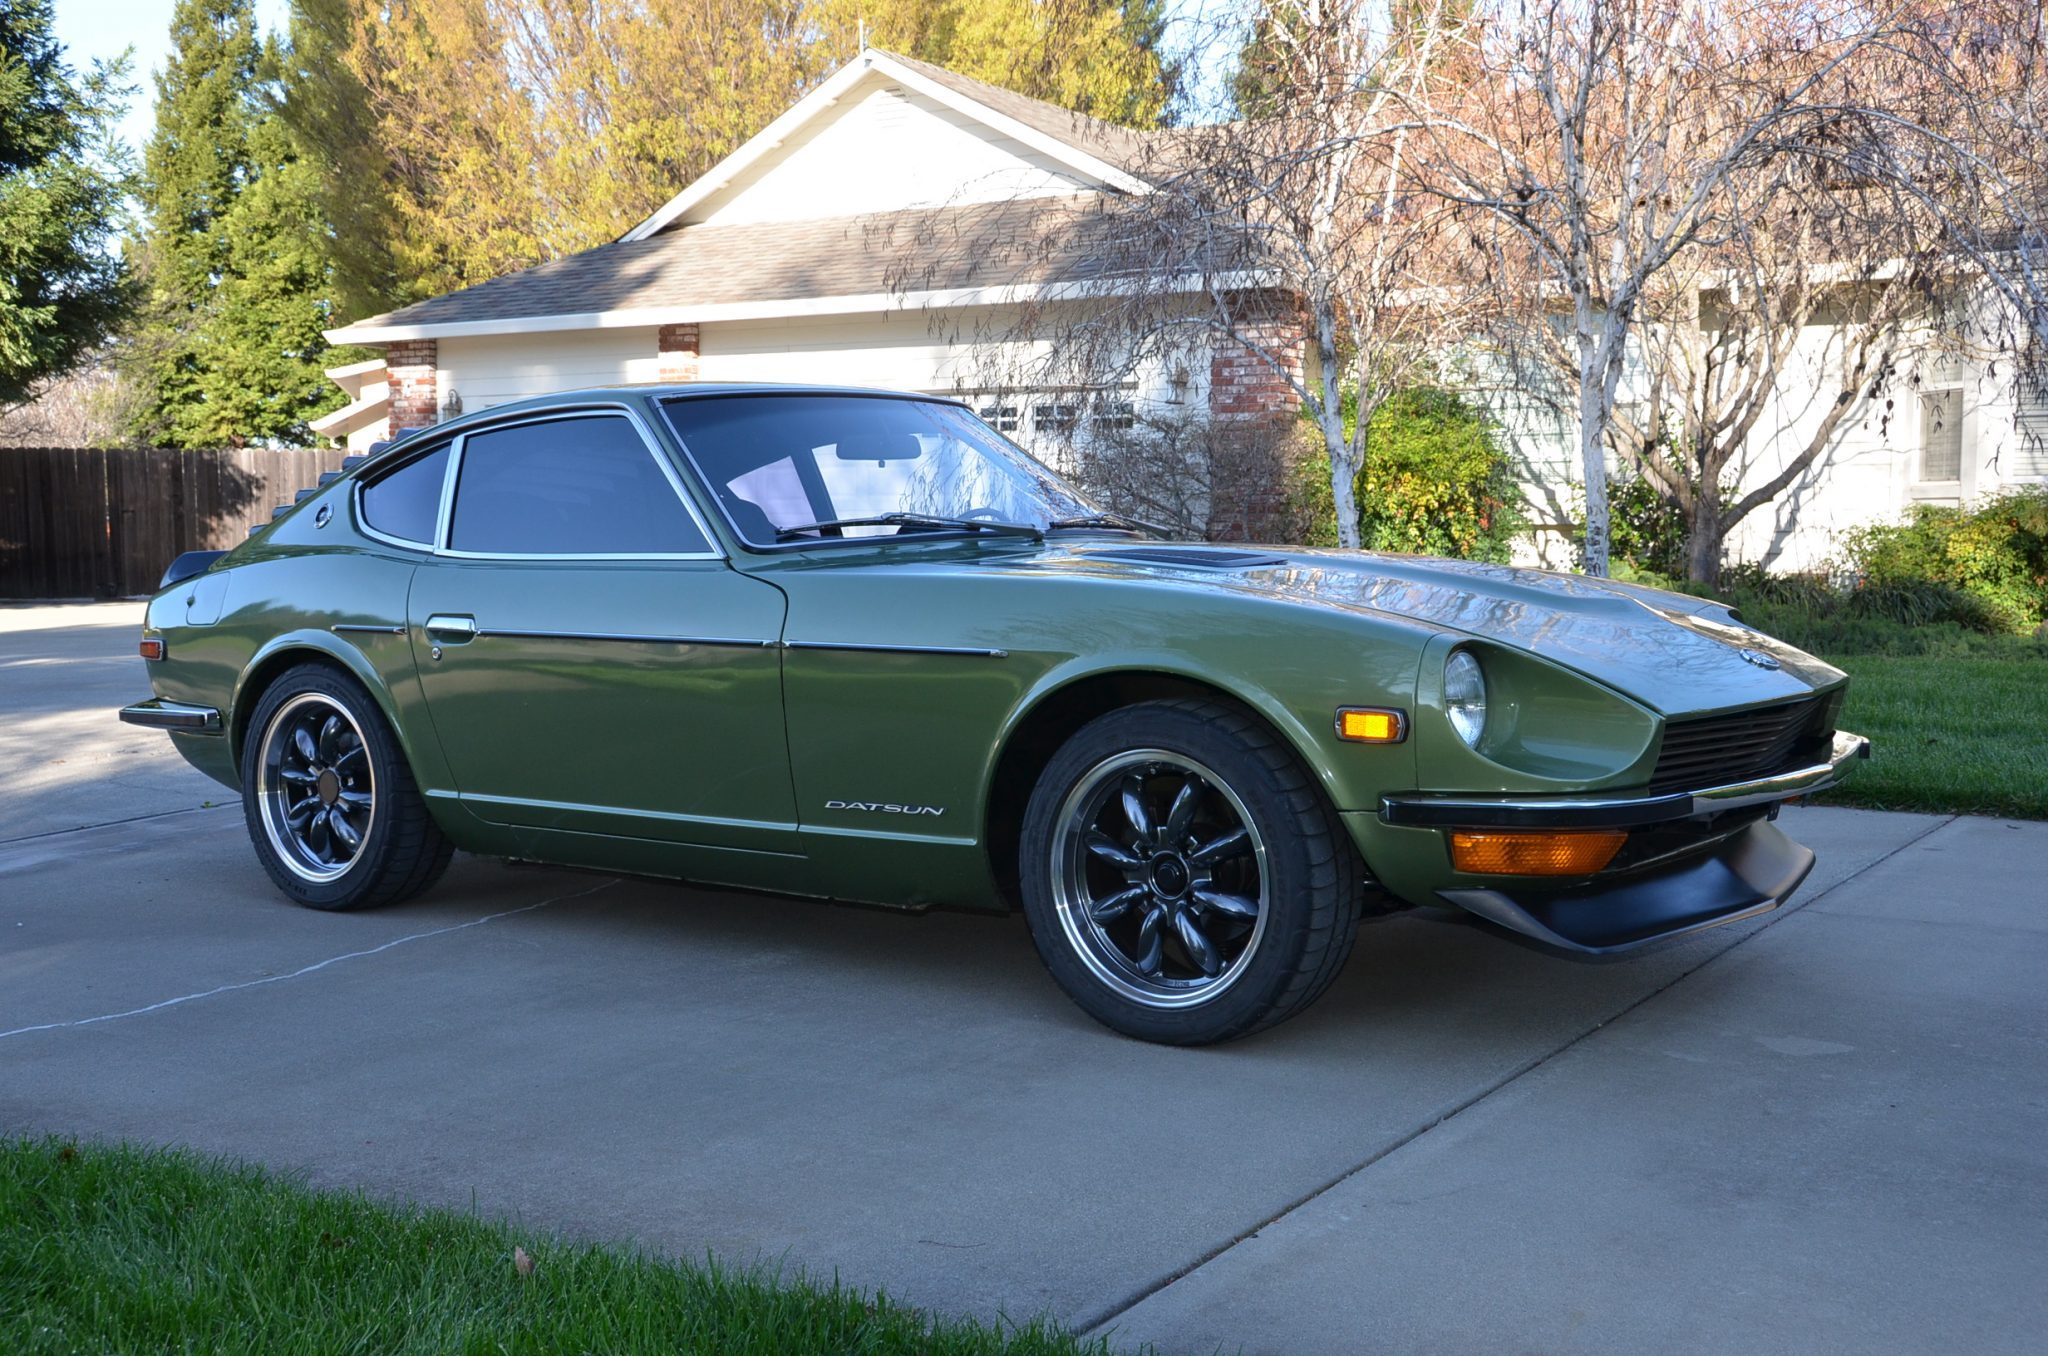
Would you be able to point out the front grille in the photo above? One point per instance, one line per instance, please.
(1718, 750)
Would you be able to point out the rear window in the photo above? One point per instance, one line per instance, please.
(582, 486)
(406, 503)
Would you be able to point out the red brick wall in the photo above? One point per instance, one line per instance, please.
(1243, 386)
(678, 347)
(415, 397)
(1257, 408)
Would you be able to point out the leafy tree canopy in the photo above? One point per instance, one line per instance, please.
(234, 249)
(463, 139)
(62, 178)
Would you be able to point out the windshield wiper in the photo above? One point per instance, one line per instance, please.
(1122, 520)
(923, 522)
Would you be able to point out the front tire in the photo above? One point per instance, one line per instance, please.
(331, 806)
(1183, 878)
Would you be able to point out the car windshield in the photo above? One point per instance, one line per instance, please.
(809, 468)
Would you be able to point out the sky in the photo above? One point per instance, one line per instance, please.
(102, 29)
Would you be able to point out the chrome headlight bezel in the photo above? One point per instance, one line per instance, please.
(1465, 696)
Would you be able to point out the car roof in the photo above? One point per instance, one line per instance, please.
(657, 390)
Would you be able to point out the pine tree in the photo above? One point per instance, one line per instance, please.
(62, 178)
(235, 251)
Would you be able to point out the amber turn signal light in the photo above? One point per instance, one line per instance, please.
(152, 648)
(1371, 725)
(1577, 853)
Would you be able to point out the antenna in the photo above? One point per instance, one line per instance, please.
(863, 23)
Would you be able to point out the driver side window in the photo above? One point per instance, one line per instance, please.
(584, 486)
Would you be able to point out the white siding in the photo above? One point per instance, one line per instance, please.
(883, 149)
(494, 369)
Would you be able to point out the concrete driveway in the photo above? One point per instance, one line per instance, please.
(1823, 1130)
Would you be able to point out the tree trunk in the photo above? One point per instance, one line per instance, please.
(1344, 495)
(1330, 419)
(1703, 543)
(1593, 463)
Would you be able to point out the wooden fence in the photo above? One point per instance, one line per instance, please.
(103, 523)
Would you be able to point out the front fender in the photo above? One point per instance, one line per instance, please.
(1351, 775)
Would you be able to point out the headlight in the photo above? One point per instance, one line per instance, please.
(1465, 696)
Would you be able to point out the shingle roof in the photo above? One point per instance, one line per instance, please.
(1124, 147)
(1030, 240)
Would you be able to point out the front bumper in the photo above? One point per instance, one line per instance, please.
(1710, 858)
(1750, 873)
(159, 713)
(1620, 812)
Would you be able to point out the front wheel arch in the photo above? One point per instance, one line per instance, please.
(1055, 715)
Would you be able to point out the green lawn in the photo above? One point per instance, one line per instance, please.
(124, 1250)
(1964, 735)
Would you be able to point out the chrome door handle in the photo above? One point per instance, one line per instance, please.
(451, 630)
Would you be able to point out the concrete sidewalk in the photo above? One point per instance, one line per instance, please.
(1822, 1129)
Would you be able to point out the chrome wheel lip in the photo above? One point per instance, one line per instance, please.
(1091, 943)
(274, 795)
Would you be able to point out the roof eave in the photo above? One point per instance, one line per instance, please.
(780, 309)
(350, 417)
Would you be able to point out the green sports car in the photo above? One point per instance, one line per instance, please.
(857, 645)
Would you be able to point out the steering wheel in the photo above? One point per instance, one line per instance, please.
(981, 515)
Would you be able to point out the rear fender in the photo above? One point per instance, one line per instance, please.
(422, 753)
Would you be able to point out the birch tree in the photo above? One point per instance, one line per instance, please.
(1595, 144)
(1288, 238)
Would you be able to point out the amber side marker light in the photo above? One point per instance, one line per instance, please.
(1578, 853)
(152, 648)
(1371, 725)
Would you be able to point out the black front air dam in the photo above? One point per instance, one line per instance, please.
(1751, 873)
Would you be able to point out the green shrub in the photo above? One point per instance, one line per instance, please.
(1644, 528)
(1994, 554)
(1436, 482)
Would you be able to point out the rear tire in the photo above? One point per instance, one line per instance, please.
(332, 808)
(1184, 879)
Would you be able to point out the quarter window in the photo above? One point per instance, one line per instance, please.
(406, 504)
(568, 487)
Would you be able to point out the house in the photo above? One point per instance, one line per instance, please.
(891, 229)
(906, 227)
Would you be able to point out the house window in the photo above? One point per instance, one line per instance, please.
(1002, 418)
(1116, 416)
(2028, 458)
(1059, 418)
(1941, 436)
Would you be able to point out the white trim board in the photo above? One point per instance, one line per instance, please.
(792, 308)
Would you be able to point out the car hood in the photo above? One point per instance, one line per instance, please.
(1670, 651)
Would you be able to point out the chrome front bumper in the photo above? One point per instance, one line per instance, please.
(159, 713)
(1622, 811)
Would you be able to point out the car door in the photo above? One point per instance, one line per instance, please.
(590, 660)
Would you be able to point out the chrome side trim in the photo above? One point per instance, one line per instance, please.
(159, 713)
(1620, 812)
(729, 642)
(356, 628)
(860, 648)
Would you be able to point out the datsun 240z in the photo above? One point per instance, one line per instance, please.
(857, 645)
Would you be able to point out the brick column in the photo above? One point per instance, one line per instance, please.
(1255, 410)
(415, 387)
(677, 345)
(1243, 387)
